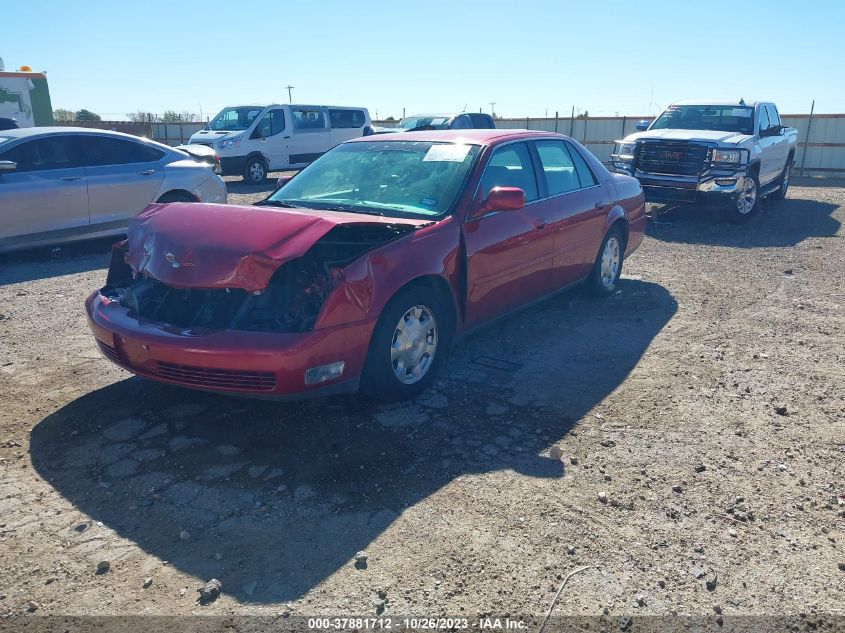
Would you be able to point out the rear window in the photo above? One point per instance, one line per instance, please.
(347, 118)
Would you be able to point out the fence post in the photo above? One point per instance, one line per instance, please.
(624, 119)
(807, 138)
(586, 118)
(556, 114)
(572, 121)
(526, 123)
(181, 134)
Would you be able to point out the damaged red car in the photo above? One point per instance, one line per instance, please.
(362, 270)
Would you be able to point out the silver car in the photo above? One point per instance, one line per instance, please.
(64, 184)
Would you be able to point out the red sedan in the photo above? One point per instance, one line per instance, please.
(362, 270)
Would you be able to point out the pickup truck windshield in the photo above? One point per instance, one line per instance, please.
(234, 119)
(403, 179)
(434, 122)
(737, 119)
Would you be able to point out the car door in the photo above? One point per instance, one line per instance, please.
(271, 137)
(575, 207)
(780, 142)
(509, 253)
(123, 176)
(45, 197)
(768, 152)
(311, 137)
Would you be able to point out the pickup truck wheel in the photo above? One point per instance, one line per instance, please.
(608, 265)
(408, 345)
(780, 192)
(747, 201)
(255, 171)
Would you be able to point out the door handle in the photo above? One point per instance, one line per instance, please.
(286, 137)
(598, 205)
(70, 178)
(539, 225)
(147, 172)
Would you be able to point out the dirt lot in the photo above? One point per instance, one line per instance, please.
(704, 403)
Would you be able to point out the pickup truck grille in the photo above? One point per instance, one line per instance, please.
(677, 158)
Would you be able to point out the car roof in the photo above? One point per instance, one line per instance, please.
(728, 102)
(473, 137)
(32, 132)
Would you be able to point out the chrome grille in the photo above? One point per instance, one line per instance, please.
(677, 158)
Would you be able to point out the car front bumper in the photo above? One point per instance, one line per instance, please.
(257, 364)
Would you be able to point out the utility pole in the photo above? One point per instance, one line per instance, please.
(290, 98)
(493, 108)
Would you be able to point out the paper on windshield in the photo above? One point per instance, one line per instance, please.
(746, 112)
(447, 153)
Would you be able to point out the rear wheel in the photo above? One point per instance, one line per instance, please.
(608, 265)
(255, 170)
(408, 346)
(747, 202)
(780, 192)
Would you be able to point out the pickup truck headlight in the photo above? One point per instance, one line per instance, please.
(726, 156)
(625, 151)
(230, 143)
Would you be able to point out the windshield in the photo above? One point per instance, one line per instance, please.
(234, 119)
(707, 117)
(412, 179)
(435, 122)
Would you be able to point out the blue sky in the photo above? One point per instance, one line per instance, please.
(528, 57)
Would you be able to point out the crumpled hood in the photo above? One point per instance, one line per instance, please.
(713, 136)
(195, 245)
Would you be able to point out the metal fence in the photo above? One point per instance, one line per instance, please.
(821, 137)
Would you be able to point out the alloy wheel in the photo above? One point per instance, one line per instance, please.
(747, 197)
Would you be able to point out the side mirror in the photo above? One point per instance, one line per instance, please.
(8, 165)
(281, 182)
(642, 126)
(504, 199)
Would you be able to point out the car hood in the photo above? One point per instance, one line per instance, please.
(195, 245)
(713, 136)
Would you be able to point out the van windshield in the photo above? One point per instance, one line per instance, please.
(234, 119)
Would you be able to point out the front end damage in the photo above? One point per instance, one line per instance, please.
(206, 332)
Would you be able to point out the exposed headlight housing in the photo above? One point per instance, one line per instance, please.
(230, 143)
(726, 156)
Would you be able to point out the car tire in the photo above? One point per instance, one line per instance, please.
(177, 196)
(409, 344)
(780, 192)
(604, 277)
(747, 203)
(255, 170)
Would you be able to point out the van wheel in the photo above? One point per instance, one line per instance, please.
(409, 345)
(255, 170)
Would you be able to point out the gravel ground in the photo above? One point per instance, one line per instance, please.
(698, 417)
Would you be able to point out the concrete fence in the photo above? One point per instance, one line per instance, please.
(820, 151)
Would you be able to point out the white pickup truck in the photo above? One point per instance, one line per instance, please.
(719, 151)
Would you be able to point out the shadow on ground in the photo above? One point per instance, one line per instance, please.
(779, 223)
(55, 261)
(288, 493)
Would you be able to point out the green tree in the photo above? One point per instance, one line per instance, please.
(60, 114)
(87, 115)
(171, 116)
(141, 117)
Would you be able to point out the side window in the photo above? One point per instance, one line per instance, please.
(347, 118)
(510, 166)
(764, 119)
(56, 152)
(558, 167)
(774, 118)
(461, 123)
(271, 123)
(101, 150)
(481, 121)
(308, 120)
(585, 174)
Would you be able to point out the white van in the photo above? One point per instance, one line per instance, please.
(252, 140)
